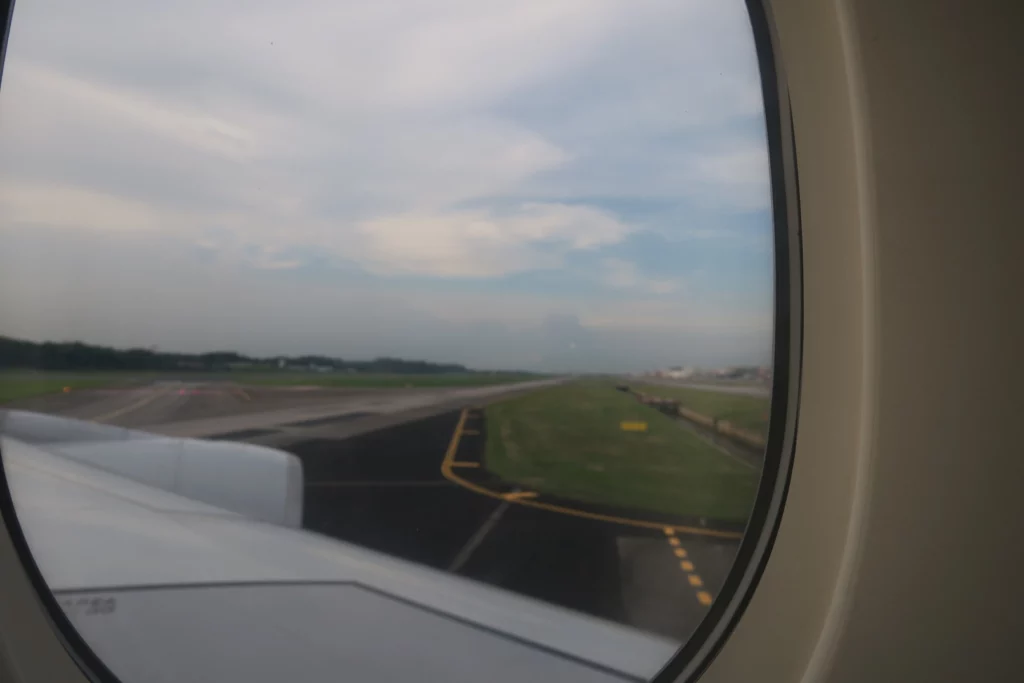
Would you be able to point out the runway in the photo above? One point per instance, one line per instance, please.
(375, 474)
(205, 409)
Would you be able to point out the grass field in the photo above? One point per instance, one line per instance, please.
(379, 381)
(567, 441)
(746, 412)
(25, 385)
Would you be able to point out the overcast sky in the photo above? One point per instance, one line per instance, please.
(549, 184)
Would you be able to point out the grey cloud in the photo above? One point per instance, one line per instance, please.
(650, 76)
(262, 131)
(61, 285)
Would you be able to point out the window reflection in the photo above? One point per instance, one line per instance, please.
(479, 293)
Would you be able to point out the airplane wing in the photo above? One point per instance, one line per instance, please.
(167, 587)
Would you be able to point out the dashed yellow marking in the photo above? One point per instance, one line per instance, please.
(465, 464)
(519, 495)
(633, 426)
(703, 596)
(447, 473)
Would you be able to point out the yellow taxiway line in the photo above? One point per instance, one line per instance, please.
(703, 596)
(449, 463)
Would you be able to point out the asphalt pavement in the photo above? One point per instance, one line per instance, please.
(387, 489)
(204, 409)
(379, 467)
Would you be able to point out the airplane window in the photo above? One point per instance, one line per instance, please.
(445, 339)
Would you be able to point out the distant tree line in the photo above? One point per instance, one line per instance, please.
(78, 356)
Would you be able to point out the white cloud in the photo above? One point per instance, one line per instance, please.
(126, 290)
(737, 175)
(72, 207)
(483, 243)
(435, 163)
(399, 136)
(388, 103)
(472, 53)
(677, 315)
(46, 99)
(350, 57)
(621, 274)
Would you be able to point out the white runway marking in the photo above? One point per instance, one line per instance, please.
(131, 407)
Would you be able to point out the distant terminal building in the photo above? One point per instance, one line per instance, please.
(677, 372)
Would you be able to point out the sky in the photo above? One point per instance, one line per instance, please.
(554, 185)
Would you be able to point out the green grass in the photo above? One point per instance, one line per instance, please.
(14, 386)
(567, 441)
(745, 412)
(381, 381)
